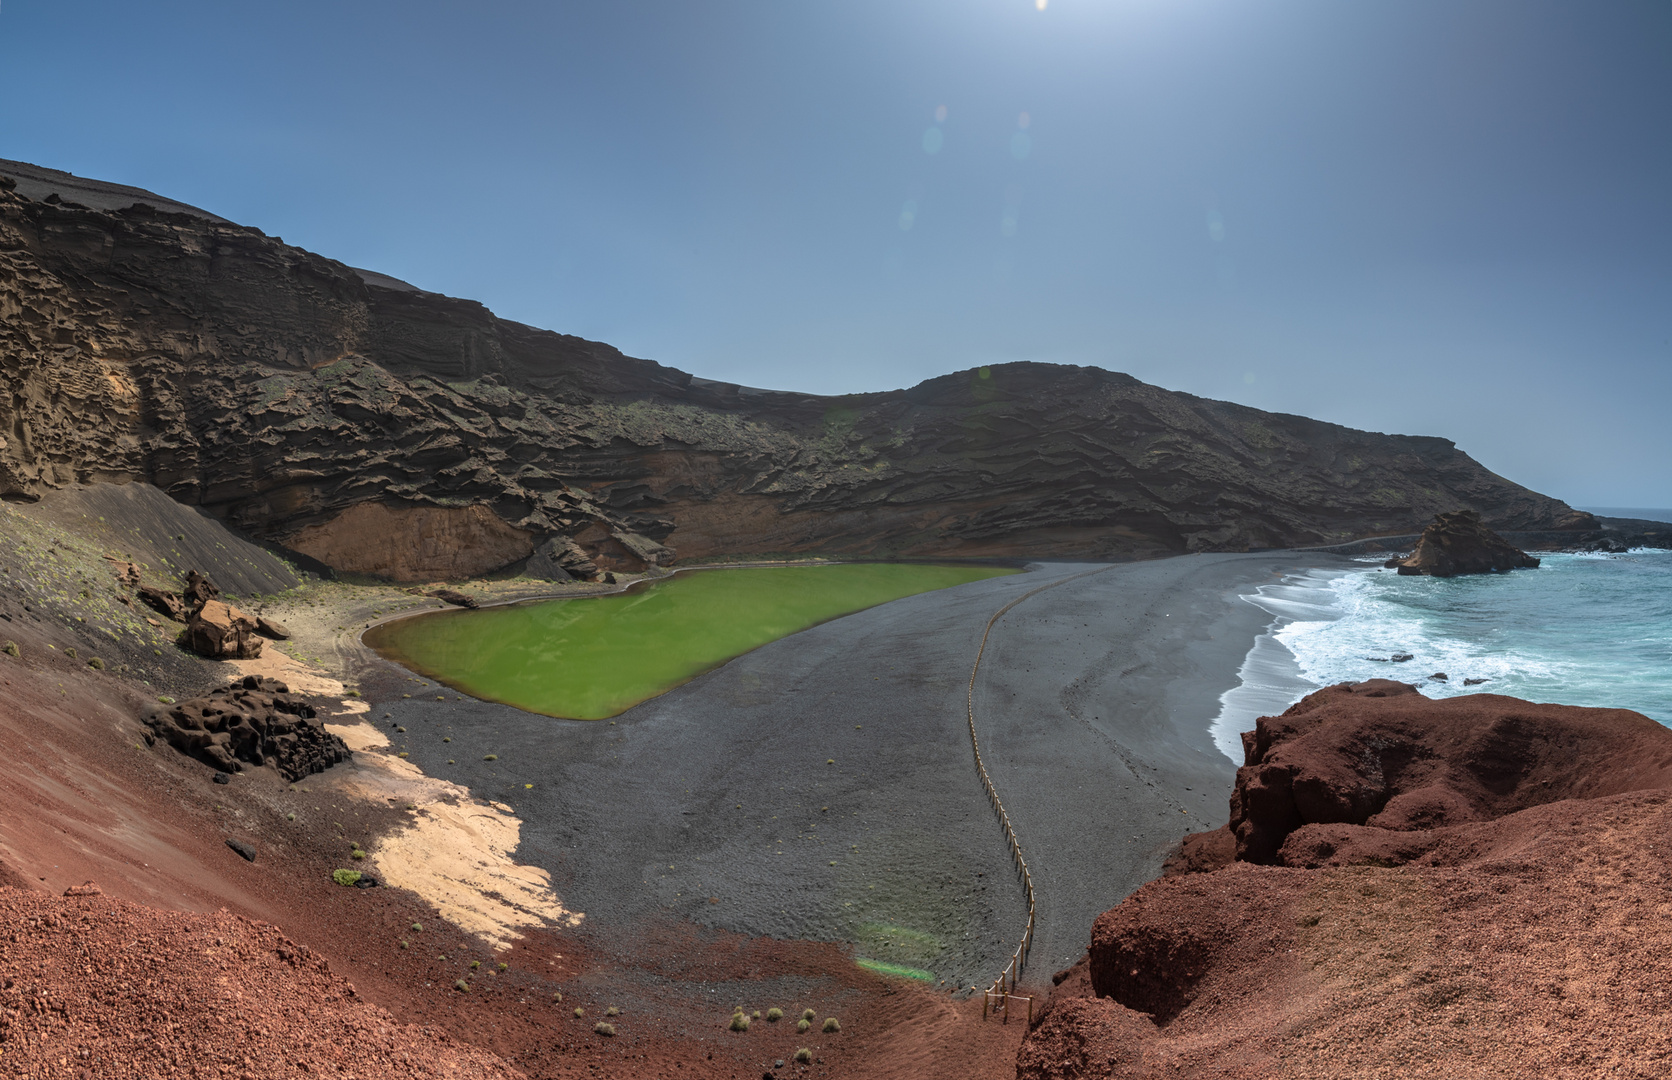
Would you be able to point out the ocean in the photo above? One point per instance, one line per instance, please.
(1579, 630)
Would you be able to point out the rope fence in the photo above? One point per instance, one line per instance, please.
(1003, 990)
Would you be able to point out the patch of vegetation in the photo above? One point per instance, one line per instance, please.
(739, 1021)
(832, 1025)
(774, 1015)
(350, 877)
(604, 1029)
(580, 1013)
(808, 1014)
(802, 1026)
(882, 967)
(12, 649)
(612, 1011)
(461, 986)
(491, 757)
(96, 664)
(803, 1056)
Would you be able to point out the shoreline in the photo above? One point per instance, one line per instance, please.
(876, 694)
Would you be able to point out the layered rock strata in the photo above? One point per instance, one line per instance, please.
(1407, 887)
(410, 435)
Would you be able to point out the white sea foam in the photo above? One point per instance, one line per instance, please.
(1582, 629)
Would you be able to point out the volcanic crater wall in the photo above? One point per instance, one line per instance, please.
(282, 392)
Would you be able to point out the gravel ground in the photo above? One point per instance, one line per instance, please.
(822, 787)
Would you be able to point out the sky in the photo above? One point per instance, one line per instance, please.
(1438, 217)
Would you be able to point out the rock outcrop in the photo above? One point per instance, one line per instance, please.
(411, 435)
(1460, 543)
(1451, 887)
(253, 721)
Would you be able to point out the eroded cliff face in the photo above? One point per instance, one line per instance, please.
(285, 392)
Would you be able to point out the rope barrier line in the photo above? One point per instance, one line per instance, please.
(1013, 970)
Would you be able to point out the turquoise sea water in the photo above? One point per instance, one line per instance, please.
(1579, 630)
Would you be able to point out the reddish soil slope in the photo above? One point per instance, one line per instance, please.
(1471, 887)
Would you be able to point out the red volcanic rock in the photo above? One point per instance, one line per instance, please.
(1471, 888)
(98, 987)
(1378, 753)
(1460, 543)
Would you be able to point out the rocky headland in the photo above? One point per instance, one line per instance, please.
(388, 431)
(1460, 543)
(1406, 887)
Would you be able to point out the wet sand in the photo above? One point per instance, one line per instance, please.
(823, 787)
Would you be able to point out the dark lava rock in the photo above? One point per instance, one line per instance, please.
(1439, 676)
(222, 778)
(454, 597)
(164, 603)
(199, 590)
(1460, 543)
(243, 849)
(1475, 682)
(256, 721)
(1400, 658)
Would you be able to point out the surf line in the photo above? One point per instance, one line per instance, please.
(1012, 970)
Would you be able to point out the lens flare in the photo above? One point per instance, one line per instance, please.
(933, 140)
(940, 114)
(1020, 145)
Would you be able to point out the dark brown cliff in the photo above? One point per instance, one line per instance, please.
(388, 430)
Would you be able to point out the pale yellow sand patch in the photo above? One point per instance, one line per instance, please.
(455, 852)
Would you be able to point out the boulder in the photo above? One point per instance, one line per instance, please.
(253, 721)
(268, 628)
(164, 603)
(199, 591)
(1460, 543)
(454, 597)
(220, 631)
(547, 562)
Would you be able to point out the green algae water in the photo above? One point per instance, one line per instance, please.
(593, 657)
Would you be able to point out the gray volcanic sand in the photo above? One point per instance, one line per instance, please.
(823, 786)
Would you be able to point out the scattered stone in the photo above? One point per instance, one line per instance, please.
(244, 850)
(268, 628)
(454, 597)
(1475, 682)
(86, 888)
(1400, 658)
(222, 778)
(253, 720)
(127, 573)
(199, 590)
(1460, 543)
(1438, 676)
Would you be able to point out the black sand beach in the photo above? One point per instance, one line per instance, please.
(823, 787)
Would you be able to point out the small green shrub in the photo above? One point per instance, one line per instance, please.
(474, 964)
(604, 1029)
(774, 1015)
(739, 1022)
(345, 877)
(491, 757)
(579, 1013)
(70, 652)
(612, 1011)
(12, 649)
(808, 1014)
(503, 966)
(803, 1026)
(417, 928)
(406, 945)
(557, 996)
(164, 698)
(461, 986)
(290, 816)
(803, 1056)
(832, 1025)
(357, 854)
(96, 664)
(352, 693)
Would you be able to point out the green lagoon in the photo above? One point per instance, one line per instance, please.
(593, 657)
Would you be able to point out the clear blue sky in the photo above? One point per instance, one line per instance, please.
(1448, 217)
